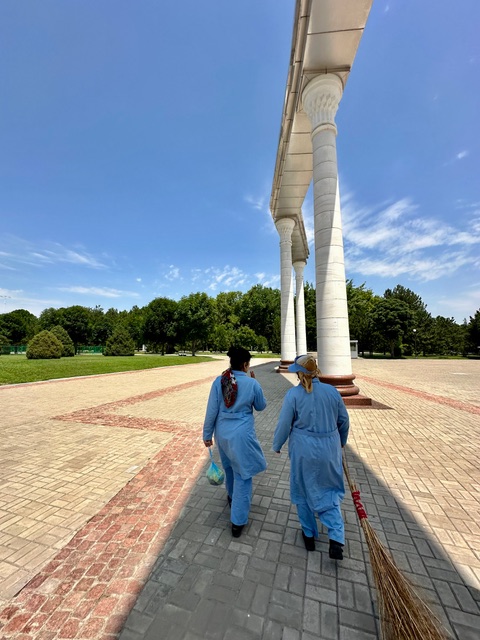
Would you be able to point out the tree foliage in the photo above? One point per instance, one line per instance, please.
(68, 348)
(159, 324)
(195, 318)
(18, 326)
(120, 343)
(397, 322)
(44, 346)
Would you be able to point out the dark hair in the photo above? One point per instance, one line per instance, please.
(238, 356)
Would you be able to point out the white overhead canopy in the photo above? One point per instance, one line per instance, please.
(326, 35)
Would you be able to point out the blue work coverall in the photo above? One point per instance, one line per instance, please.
(234, 431)
(316, 425)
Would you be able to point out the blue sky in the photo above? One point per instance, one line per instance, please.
(138, 143)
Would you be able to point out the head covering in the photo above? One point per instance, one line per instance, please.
(305, 364)
(229, 388)
(306, 367)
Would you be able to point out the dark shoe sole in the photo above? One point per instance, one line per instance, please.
(335, 550)
(309, 542)
(237, 530)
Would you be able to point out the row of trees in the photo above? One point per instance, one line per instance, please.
(397, 323)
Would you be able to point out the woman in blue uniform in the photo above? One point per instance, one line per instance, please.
(229, 418)
(315, 420)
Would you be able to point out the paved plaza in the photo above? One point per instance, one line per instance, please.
(109, 529)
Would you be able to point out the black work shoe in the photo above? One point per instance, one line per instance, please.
(229, 501)
(336, 550)
(309, 542)
(237, 530)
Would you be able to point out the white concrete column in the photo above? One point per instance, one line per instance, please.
(285, 227)
(299, 266)
(321, 98)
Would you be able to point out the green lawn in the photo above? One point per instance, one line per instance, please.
(15, 369)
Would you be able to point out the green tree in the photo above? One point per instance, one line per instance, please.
(449, 336)
(4, 344)
(222, 337)
(19, 326)
(361, 302)
(473, 334)
(50, 318)
(262, 344)
(135, 324)
(246, 338)
(101, 326)
(120, 343)
(76, 322)
(44, 346)
(260, 310)
(419, 335)
(228, 308)
(68, 348)
(391, 317)
(195, 317)
(310, 316)
(159, 324)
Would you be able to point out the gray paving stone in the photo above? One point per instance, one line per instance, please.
(357, 620)
(265, 586)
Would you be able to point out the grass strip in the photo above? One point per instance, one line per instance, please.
(15, 369)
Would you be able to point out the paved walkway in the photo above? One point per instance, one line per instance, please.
(108, 528)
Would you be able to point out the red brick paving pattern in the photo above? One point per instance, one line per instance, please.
(90, 586)
(455, 404)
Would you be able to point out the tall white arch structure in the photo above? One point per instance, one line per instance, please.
(326, 36)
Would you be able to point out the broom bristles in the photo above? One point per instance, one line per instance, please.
(403, 613)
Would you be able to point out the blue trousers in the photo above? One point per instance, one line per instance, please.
(330, 518)
(240, 491)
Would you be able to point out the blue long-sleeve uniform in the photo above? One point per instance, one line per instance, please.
(317, 426)
(234, 427)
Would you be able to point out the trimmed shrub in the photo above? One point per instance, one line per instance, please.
(44, 346)
(120, 343)
(60, 333)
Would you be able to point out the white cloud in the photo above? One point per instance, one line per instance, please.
(392, 240)
(260, 203)
(22, 252)
(465, 303)
(462, 154)
(105, 292)
(173, 273)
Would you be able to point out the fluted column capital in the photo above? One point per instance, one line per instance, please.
(299, 266)
(285, 227)
(321, 98)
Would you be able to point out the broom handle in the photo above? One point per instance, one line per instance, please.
(351, 483)
(360, 509)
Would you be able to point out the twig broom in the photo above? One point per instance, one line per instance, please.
(403, 614)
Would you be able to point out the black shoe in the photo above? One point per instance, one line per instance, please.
(309, 542)
(237, 530)
(229, 501)
(336, 550)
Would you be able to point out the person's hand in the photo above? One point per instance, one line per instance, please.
(208, 443)
(252, 373)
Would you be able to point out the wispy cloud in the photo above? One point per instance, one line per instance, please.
(105, 292)
(173, 273)
(231, 278)
(394, 239)
(261, 202)
(228, 278)
(20, 253)
(462, 154)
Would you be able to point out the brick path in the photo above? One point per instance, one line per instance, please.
(157, 559)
